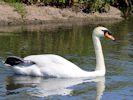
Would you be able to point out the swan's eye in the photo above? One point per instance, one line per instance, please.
(107, 32)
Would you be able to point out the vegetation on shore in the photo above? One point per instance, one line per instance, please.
(88, 6)
(19, 8)
(51, 10)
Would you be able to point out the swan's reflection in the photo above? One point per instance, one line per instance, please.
(52, 86)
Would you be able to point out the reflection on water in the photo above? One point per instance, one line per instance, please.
(41, 87)
(59, 42)
(74, 43)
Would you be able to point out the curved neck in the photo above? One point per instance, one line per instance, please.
(100, 65)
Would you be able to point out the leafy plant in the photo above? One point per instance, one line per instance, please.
(97, 5)
(13, 1)
(19, 7)
(89, 5)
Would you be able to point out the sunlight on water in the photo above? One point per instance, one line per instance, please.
(75, 44)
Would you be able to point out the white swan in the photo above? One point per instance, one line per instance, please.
(56, 66)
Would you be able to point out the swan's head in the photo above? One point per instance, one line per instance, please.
(103, 32)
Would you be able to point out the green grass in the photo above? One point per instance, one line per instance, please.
(19, 7)
(12, 1)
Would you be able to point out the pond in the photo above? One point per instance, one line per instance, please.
(72, 41)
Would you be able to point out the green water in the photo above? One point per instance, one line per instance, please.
(72, 41)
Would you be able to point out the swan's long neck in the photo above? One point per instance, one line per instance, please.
(100, 65)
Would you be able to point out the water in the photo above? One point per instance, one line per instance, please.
(73, 42)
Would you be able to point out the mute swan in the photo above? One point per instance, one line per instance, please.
(50, 65)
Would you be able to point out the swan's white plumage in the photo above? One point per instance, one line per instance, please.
(57, 66)
(51, 65)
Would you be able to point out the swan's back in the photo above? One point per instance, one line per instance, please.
(49, 59)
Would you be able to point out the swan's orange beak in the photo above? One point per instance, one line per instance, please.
(109, 36)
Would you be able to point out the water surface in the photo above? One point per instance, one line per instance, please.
(75, 44)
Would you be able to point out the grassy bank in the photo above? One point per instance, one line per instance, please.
(91, 4)
(87, 6)
(19, 7)
(16, 12)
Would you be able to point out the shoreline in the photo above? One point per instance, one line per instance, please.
(46, 14)
(51, 26)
